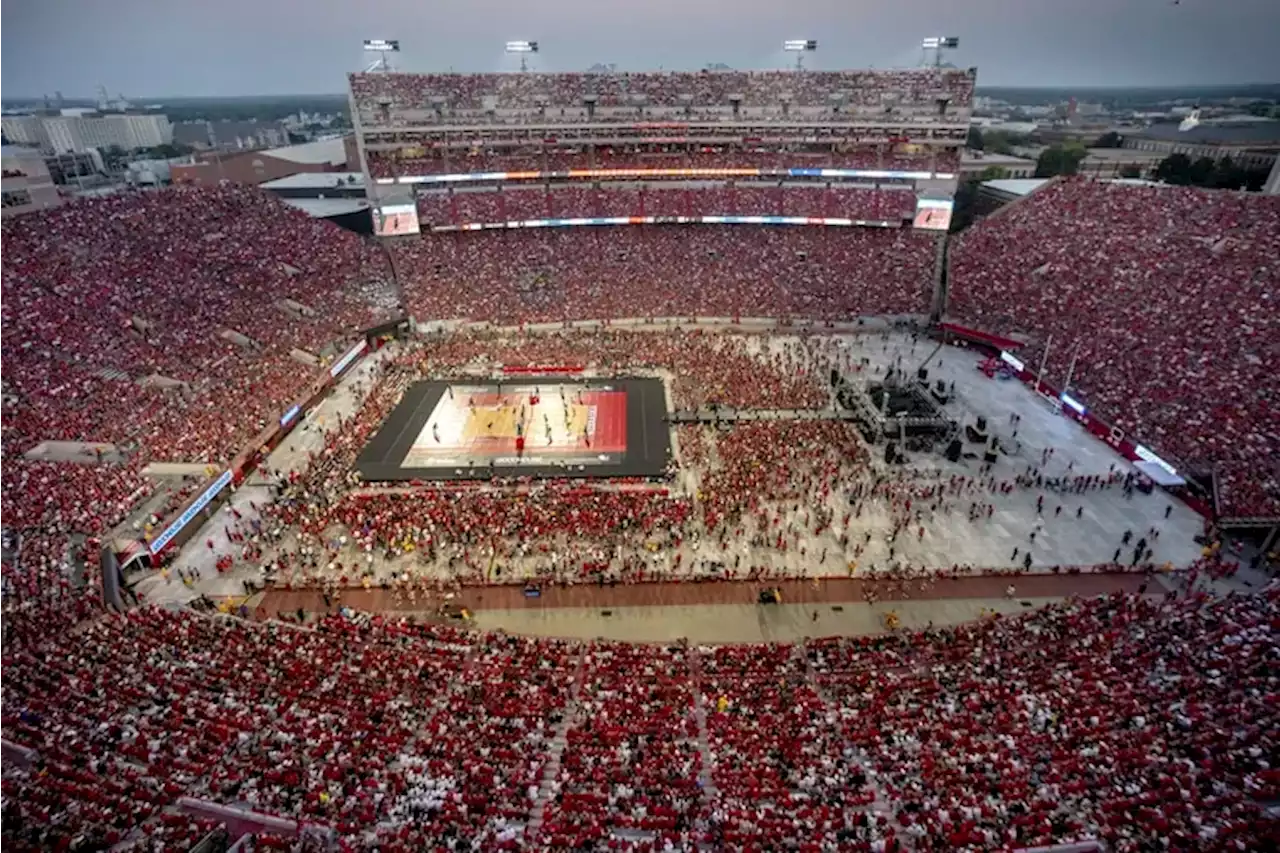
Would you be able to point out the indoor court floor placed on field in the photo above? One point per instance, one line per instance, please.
(480, 429)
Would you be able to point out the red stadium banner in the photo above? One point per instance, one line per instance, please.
(997, 341)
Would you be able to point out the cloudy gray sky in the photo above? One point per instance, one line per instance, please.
(240, 47)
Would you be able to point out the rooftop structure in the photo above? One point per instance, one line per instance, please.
(27, 184)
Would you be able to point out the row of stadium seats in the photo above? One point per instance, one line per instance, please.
(919, 87)
(387, 164)
(751, 199)
(601, 273)
(1137, 722)
(1163, 299)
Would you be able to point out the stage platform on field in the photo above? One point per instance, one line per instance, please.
(484, 429)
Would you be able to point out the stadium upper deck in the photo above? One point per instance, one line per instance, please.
(425, 124)
(805, 97)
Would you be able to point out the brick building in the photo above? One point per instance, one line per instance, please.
(256, 167)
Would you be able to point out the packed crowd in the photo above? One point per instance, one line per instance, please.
(743, 199)
(533, 91)
(114, 312)
(763, 499)
(414, 160)
(559, 530)
(1162, 298)
(1139, 722)
(535, 275)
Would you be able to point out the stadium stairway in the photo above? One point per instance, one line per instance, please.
(75, 559)
(555, 753)
(239, 339)
(879, 807)
(706, 778)
(107, 372)
(113, 374)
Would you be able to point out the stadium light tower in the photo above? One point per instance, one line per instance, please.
(800, 47)
(937, 44)
(524, 48)
(382, 47)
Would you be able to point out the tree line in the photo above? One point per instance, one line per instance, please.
(1065, 158)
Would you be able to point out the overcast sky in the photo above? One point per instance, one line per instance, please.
(245, 47)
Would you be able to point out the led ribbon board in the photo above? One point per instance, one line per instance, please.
(341, 364)
(224, 480)
(670, 220)
(476, 177)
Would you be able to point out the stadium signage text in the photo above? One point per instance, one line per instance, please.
(224, 480)
(342, 363)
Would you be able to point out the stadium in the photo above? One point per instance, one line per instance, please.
(662, 475)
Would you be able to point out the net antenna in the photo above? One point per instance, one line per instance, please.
(800, 47)
(934, 47)
(384, 48)
(524, 48)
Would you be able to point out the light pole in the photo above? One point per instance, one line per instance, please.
(800, 47)
(382, 47)
(937, 44)
(524, 48)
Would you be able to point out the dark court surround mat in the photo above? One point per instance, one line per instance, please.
(648, 436)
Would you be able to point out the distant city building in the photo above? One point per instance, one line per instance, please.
(257, 167)
(82, 130)
(338, 197)
(231, 135)
(74, 168)
(152, 172)
(1252, 144)
(1101, 162)
(1015, 128)
(26, 184)
(973, 164)
(993, 195)
(1119, 163)
(24, 129)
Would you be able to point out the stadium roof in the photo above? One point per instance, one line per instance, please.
(331, 151)
(321, 208)
(199, 132)
(1016, 186)
(984, 158)
(315, 181)
(1236, 133)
